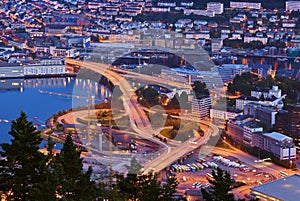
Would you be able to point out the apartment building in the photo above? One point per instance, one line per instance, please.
(216, 7)
(201, 106)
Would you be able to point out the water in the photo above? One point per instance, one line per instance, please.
(33, 97)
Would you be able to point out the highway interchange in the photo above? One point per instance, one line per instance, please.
(139, 120)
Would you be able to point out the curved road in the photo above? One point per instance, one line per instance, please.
(139, 120)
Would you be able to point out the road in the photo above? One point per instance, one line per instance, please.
(139, 120)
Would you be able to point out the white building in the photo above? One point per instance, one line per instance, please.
(292, 5)
(275, 91)
(187, 3)
(201, 107)
(243, 5)
(186, 76)
(166, 4)
(46, 67)
(241, 102)
(216, 7)
(199, 12)
(216, 44)
(224, 113)
(280, 145)
(248, 39)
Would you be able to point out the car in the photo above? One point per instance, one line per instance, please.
(197, 185)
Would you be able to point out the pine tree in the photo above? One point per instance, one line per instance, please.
(74, 184)
(222, 184)
(22, 170)
(169, 189)
(134, 167)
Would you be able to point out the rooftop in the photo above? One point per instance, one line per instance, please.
(286, 189)
(277, 136)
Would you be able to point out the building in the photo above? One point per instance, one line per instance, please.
(11, 70)
(294, 120)
(261, 70)
(187, 76)
(216, 7)
(122, 141)
(280, 145)
(201, 107)
(216, 45)
(235, 127)
(249, 131)
(284, 189)
(266, 114)
(78, 41)
(241, 101)
(243, 129)
(229, 71)
(224, 113)
(166, 4)
(249, 38)
(46, 67)
(292, 5)
(275, 91)
(199, 12)
(243, 5)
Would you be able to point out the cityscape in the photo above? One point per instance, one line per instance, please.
(159, 100)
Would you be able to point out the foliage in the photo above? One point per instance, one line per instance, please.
(200, 88)
(267, 82)
(22, 170)
(221, 185)
(243, 84)
(134, 167)
(234, 43)
(30, 175)
(146, 187)
(148, 96)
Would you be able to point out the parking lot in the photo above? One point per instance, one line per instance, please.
(195, 179)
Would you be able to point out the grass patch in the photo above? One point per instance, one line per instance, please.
(167, 132)
(223, 145)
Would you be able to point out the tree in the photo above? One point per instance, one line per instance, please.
(22, 171)
(169, 189)
(221, 185)
(267, 82)
(243, 83)
(74, 184)
(200, 88)
(134, 167)
(144, 187)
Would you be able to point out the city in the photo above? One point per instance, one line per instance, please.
(150, 100)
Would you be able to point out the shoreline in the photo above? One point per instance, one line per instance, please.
(40, 76)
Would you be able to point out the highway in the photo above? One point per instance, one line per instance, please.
(139, 120)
